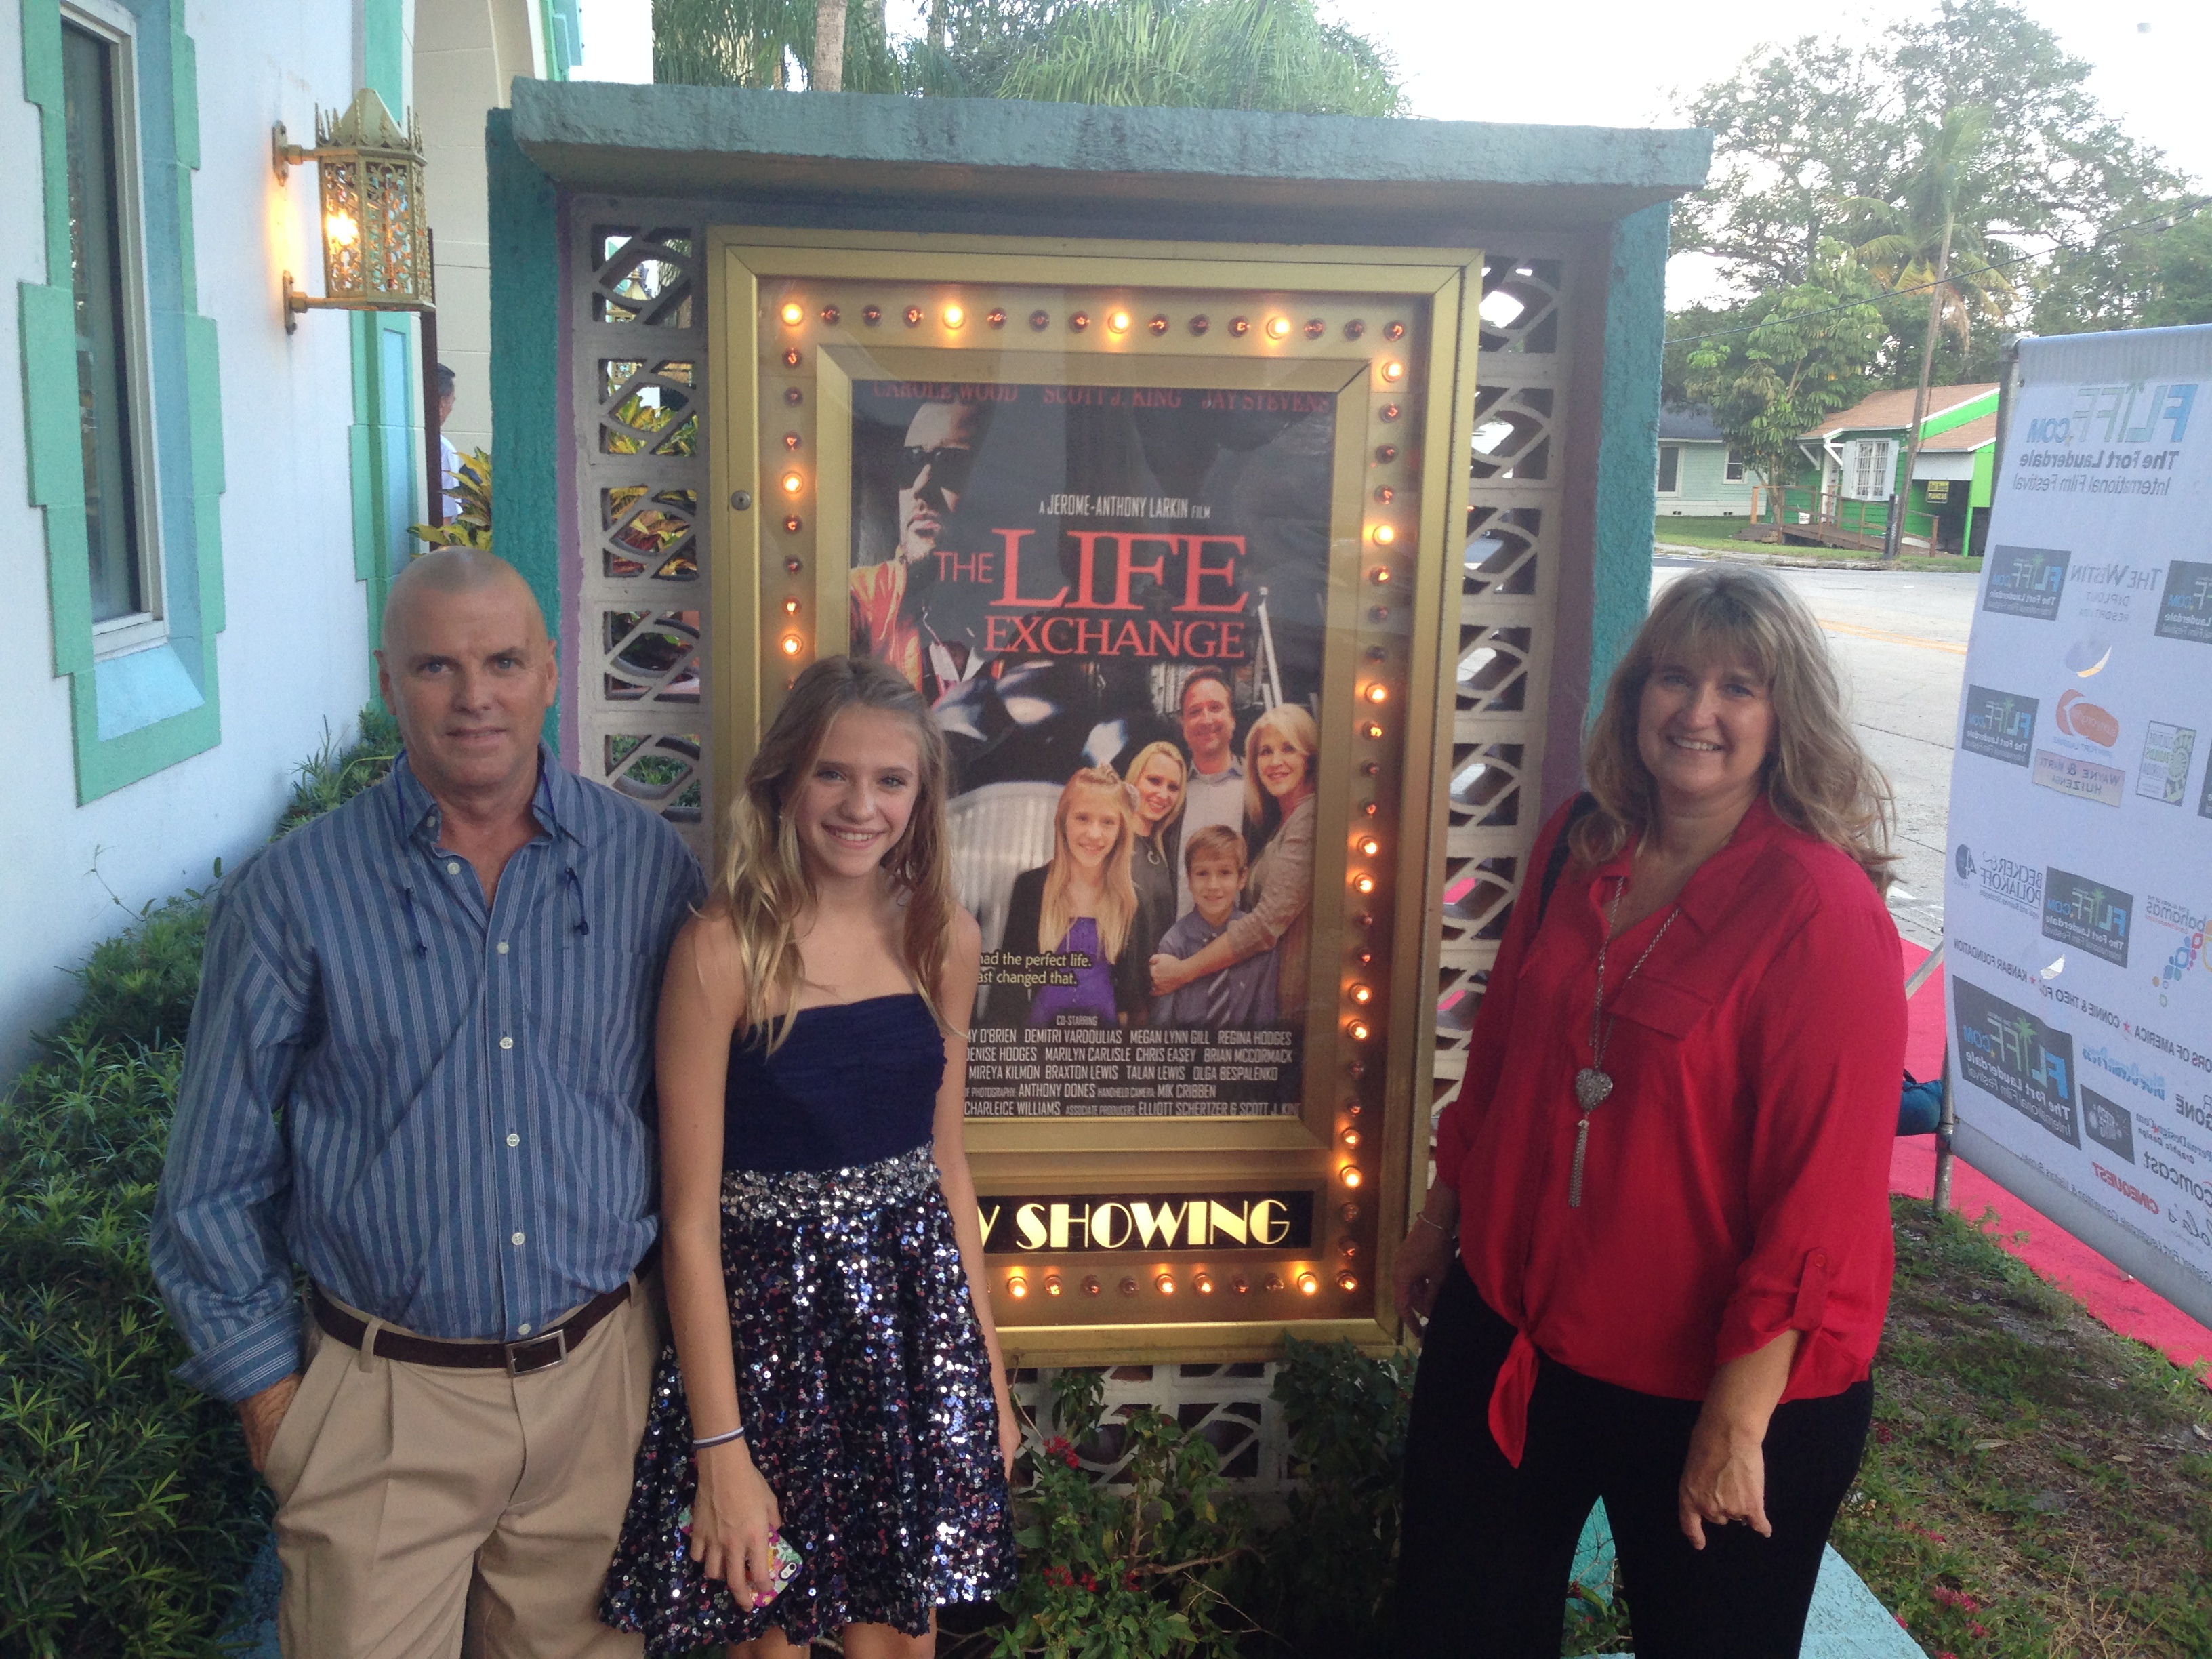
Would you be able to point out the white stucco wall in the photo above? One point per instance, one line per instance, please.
(293, 657)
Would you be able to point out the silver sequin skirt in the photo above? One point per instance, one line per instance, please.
(865, 1392)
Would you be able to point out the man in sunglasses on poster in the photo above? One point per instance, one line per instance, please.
(890, 609)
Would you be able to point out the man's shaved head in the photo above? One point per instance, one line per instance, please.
(445, 572)
(469, 672)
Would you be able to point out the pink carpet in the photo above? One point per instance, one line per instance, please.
(2127, 1305)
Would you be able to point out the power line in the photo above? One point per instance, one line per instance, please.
(2164, 221)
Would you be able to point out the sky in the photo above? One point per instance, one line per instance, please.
(1633, 63)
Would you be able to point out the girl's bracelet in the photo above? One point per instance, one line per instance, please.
(718, 1439)
(1422, 1216)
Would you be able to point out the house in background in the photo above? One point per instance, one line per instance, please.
(202, 510)
(1700, 475)
(1855, 466)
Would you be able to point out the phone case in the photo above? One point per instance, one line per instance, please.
(788, 1560)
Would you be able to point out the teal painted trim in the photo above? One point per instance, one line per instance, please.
(385, 445)
(133, 715)
(1628, 440)
(525, 356)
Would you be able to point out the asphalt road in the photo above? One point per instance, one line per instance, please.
(1900, 642)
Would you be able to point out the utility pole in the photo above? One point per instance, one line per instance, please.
(1893, 543)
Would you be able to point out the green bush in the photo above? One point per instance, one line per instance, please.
(127, 1509)
(1321, 1583)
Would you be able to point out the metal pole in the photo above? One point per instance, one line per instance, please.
(1947, 1125)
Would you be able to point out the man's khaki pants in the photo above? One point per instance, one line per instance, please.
(418, 1505)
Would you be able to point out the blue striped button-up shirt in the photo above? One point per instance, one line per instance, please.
(439, 1107)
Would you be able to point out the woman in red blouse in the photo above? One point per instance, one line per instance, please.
(1666, 1170)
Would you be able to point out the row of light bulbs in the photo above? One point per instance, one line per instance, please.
(1118, 321)
(1307, 1281)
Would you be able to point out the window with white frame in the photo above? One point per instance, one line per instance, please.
(1734, 471)
(1869, 469)
(108, 294)
(1670, 469)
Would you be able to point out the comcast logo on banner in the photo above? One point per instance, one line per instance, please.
(2026, 581)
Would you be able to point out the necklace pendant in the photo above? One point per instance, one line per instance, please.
(1575, 1175)
(1591, 1087)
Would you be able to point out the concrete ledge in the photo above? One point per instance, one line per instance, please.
(668, 141)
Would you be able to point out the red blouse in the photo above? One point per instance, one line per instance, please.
(1735, 1184)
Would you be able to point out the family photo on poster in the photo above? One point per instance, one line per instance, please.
(1112, 597)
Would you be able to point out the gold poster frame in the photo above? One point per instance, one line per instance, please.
(759, 566)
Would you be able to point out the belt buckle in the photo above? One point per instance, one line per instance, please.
(519, 1365)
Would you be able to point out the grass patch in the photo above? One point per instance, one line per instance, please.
(2036, 1486)
(1725, 536)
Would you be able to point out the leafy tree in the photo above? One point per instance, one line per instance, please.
(1807, 135)
(1213, 54)
(1800, 354)
(2152, 275)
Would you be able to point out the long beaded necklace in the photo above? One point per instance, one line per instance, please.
(1593, 1083)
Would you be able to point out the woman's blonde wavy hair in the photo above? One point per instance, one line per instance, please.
(764, 880)
(1135, 769)
(1117, 904)
(1818, 779)
(1263, 813)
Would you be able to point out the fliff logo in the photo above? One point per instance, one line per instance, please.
(2079, 912)
(2127, 413)
(2026, 581)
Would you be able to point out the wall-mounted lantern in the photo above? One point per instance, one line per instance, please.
(375, 226)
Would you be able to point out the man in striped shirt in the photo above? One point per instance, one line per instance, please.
(420, 1073)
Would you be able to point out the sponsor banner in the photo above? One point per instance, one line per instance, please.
(2081, 985)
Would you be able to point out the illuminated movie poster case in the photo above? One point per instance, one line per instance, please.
(1160, 537)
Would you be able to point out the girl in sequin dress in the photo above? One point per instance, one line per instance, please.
(833, 1344)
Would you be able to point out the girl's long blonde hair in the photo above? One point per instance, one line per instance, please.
(1818, 779)
(1145, 757)
(1263, 813)
(765, 878)
(1117, 903)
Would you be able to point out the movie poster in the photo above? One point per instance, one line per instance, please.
(1112, 597)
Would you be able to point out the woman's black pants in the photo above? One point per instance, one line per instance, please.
(1486, 1548)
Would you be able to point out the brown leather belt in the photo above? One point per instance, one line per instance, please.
(536, 1354)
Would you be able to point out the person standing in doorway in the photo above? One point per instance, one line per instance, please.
(420, 1070)
(1215, 793)
(449, 459)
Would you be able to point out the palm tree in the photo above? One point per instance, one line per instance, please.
(1899, 256)
(754, 43)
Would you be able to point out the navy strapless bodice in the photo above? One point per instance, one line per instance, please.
(852, 1082)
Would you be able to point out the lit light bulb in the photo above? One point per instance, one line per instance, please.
(954, 316)
(792, 359)
(340, 230)
(1380, 575)
(794, 524)
(1385, 534)
(1202, 1283)
(1351, 1175)
(793, 484)
(1369, 847)
(1363, 882)
(1239, 327)
(1350, 1138)
(1378, 693)
(793, 645)
(1164, 1283)
(1348, 1281)
(793, 313)
(1018, 1287)
(791, 607)
(1118, 321)
(1358, 1030)
(1373, 730)
(791, 440)
(1309, 1285)
(1362, 995)
(1052, 1284)
(1158, 325)
(914, 316)
(1394, 370)
(1277, 327)
(1078, 322)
